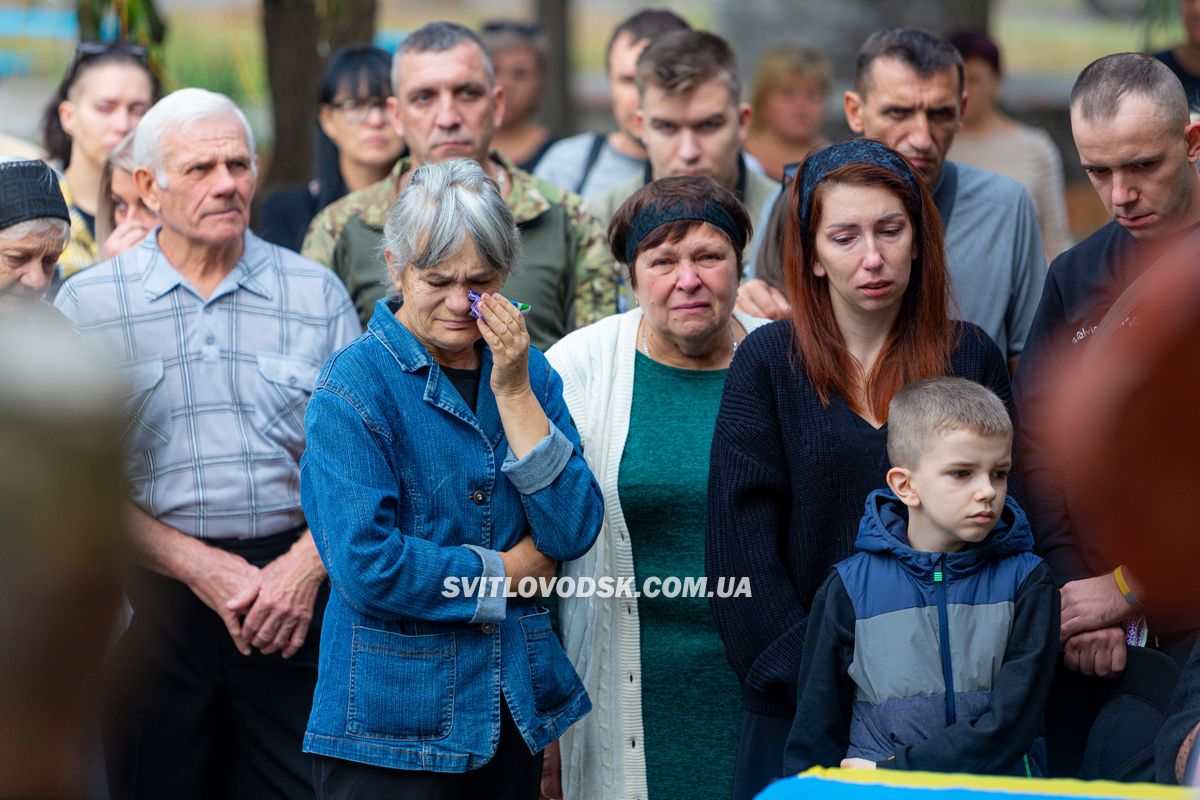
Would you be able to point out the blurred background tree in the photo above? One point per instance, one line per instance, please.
(300, 36)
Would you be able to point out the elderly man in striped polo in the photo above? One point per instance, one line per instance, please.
(220, 336)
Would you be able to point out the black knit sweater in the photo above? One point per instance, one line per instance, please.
(787, 483)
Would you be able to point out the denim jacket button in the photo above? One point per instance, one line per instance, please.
(478, 497)
(488, 628)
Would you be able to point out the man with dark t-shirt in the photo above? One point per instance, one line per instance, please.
(1129, 117)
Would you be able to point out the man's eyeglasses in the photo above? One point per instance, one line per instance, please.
(357, 109)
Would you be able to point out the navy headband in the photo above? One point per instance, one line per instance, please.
(655, 216)
(855, 151)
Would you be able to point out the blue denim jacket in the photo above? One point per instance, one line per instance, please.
(403, 487)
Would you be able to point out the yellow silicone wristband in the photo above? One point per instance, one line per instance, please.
(1123, 587)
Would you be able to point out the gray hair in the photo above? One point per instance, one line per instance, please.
(444, 204)
(46, 227)
(1104, 83)
(438, 37)
(930, 407)
(177, 112)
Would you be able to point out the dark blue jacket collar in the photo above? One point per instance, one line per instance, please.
(884, 529)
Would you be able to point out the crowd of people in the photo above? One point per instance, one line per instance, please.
(467, 358)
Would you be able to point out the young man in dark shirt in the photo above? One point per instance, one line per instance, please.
(1129, 117)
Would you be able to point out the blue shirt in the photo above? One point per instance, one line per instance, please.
(406, 491)
(217, 386)
(993, 251)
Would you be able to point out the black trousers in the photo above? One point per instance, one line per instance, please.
(1104, 728)
(190, 716)
(760, 753)
(512, 774)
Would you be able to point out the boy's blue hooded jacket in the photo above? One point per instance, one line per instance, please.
(929, 661)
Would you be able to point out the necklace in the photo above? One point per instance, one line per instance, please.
(646, 340)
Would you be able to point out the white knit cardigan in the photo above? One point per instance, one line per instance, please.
(602, 754)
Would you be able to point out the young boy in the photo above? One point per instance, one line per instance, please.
(933, 647)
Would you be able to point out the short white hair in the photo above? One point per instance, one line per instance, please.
(176, 112)
(47, 227)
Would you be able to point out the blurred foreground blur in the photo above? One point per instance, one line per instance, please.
(61, 499)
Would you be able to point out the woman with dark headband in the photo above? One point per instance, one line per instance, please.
(105, 91)
(643, 388)
(801, 437)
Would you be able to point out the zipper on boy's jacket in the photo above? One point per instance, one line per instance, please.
(939, 591)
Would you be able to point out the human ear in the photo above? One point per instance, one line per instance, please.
(499, 101)
(745, 114)
(147, 188)
(899, 480)
(325, 119)
(393, 114)
(1192, 135)
(66, 116)
(639, 125)
(852, 103)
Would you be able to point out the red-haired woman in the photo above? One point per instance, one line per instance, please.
(801, 436)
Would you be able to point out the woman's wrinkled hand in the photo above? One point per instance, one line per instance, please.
(504, 331)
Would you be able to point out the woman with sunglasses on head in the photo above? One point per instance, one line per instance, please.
(105, 91)
(356, 144)
(801, 435)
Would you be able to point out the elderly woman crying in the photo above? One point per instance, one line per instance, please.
(644, 388)
(441, 452)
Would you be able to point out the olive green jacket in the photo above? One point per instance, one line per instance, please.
(565, 271)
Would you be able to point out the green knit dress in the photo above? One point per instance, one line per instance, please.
(690, 698)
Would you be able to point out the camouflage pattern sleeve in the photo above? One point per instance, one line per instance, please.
(598, 277)
(321, 239)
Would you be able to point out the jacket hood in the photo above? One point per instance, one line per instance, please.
(884, 529)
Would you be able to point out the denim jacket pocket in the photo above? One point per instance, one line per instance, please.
(553, 678)
(147, 408)
(401, 687)
(284, 386)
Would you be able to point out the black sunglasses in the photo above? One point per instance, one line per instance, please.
(87, 50)
(529, 29)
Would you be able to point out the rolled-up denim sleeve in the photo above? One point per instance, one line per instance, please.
(491, 606)
(561, 499)
(541, 465)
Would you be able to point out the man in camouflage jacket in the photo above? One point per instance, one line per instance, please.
(446, 105)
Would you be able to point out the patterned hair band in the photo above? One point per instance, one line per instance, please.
(653, 216)
(820, 164)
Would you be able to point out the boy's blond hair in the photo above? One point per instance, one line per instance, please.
(930, 407)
